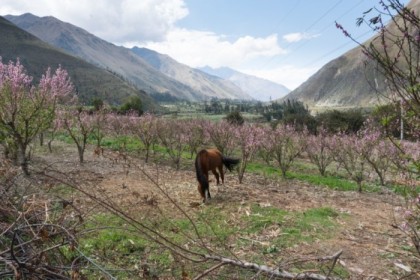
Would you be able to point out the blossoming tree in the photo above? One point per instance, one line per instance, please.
(319, 151)
(286, 145)
(79, 124)
(248, 138)
(144, 128)
(26, 110)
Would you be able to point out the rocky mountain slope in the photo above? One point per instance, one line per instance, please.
(90, 81)
(120, 60)
(350, 80)
(343, 82)
(207, 85)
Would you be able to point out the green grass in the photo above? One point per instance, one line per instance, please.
(117, 245)
(191, 114)
(406, 191)
(111, 235)
(211, 223)
(115, 143)
(62, 136)
(307, 172)
(113, 244)
(263, 169)
(332, 182)
(61, 190)
(263, 217)
(293, 227)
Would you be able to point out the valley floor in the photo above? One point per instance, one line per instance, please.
(365, 223)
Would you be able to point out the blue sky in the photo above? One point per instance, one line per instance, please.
(283, 41)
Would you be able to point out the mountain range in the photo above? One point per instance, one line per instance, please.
(157, 74)
(257, 88)
(346, 81)
(210, 86)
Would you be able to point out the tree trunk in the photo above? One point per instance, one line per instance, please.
(41, 139)
(241, 171)
(178, 163)
(359, 185)
(240, 176)
(49, 146)
(283, 172)
(380, 175)
(147, 154)
(22, 158)
(81, 151)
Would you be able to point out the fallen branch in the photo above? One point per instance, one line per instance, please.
(276, 272)
(209, 270)
(335, 259)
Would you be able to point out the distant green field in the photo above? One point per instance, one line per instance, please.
(213, 117)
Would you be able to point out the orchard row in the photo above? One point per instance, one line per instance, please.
(363, 156)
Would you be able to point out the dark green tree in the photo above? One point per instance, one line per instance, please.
(133, 103)
(97, 103)
(341, 121)
(235, 118)
(297, 114)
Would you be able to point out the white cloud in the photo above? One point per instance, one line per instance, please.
(115, 21)
(199, 48)
(298, 36)
(289, 75)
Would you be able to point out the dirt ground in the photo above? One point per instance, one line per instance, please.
(373, 248)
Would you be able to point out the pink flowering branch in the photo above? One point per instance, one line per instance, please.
(248, 138)
(221, 134)
(318, 148)
(286, 145)
(145, 129)
(348, 151)
(172, 135)
(79, 124)
(27, 110)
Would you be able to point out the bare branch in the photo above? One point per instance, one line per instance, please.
(276, 272)
(220, 264)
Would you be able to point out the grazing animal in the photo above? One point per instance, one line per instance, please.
(210, 159)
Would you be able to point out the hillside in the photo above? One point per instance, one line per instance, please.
(349, 80)
(343, 82)
(123, 61)
(257, 88)
(89, 80)
(201, 82)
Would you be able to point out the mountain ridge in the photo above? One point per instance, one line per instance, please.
(208, 85)
(258, 88)
(89, 80)
(78, 42)
(350, 80)
(120, 60)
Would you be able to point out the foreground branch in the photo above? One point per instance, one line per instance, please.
(276, 272)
